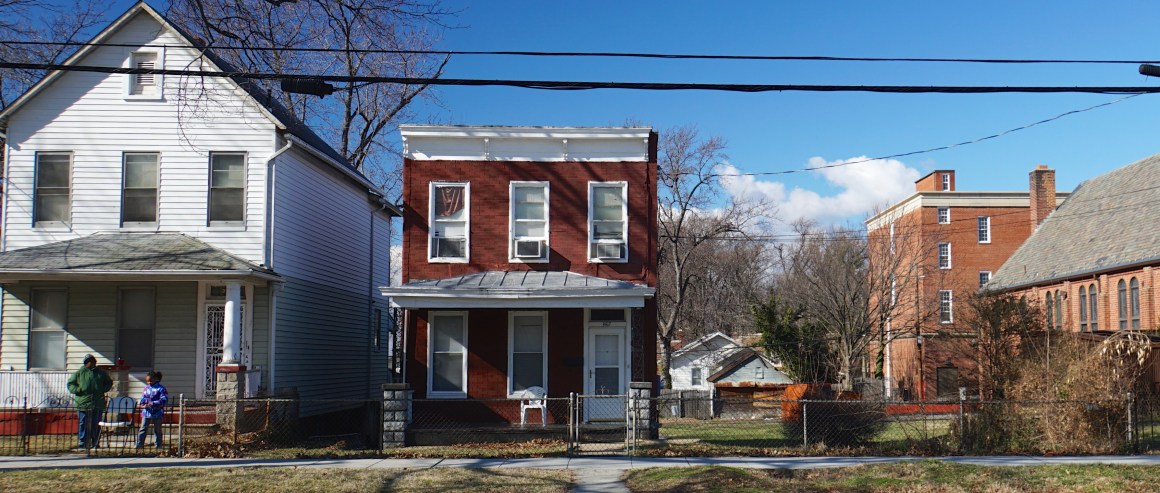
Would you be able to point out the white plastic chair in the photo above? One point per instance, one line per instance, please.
(533, 398)
(118, 417)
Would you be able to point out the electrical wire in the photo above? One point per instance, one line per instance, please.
(602, 54)
(559, 85)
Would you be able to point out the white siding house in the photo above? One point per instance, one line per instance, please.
(186, 225)
(695, 361)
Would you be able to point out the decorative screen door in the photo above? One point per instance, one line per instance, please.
(215, 336)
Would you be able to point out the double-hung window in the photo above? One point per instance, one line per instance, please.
(944, 255)
(528, 351)
(946, 306)
(51, 203)
(450, 219)
(227, 182)
(447, 343)
(136, 323)
(944, 215)
(984, 229)
(696, 378)
(529, 221)
(608, 222)
(984, 278)
(46, 329)
(946, 182)
(139, 189)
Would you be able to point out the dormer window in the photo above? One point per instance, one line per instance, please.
(145, 86)
(946, 182)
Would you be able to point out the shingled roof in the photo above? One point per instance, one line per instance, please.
(126, 253)
(1109, 222)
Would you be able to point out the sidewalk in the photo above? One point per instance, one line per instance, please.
(580, 463)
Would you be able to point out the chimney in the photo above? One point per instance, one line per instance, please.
(1042, 193)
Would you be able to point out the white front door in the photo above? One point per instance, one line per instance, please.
(605, 363)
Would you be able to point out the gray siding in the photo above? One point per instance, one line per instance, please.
(91, 327)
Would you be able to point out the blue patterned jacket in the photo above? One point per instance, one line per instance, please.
(153, 400)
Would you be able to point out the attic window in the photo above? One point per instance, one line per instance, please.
(146, 86)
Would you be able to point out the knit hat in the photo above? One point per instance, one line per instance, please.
(89, 357)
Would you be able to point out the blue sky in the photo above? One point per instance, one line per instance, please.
(778, 131)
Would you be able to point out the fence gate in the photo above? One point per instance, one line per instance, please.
(598, 425)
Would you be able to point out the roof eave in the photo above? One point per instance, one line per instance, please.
(16, 275)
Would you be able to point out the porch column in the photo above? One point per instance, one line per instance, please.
(232, 332)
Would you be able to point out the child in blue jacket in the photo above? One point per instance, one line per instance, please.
(153, 400)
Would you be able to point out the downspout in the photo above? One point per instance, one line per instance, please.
(4, 191)
(268, 251)
(371, 295)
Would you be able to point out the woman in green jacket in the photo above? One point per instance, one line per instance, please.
(88, 386)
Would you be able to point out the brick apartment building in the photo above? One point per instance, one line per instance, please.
(529, 260)
(944, 244)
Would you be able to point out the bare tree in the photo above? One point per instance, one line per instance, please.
(44, 31)
(694, 212)
(356, 37)
(856, 287)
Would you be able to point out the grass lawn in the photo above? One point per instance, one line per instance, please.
(284, 480)
(749, 437)
(929, 476)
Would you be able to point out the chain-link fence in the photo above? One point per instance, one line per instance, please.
(539, 424)
(800, 427)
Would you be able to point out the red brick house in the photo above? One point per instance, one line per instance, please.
(529, 260)
(945, 244)
(1094, 262)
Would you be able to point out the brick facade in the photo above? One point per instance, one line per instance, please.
(923, 344)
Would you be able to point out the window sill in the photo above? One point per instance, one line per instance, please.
(226, 227)
(446, 395)
(447, 260)
(153, 227)
(52, 228)
(607, 261)
(527, 260)
(149, 97)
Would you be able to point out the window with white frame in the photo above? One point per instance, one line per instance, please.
(139, 188)
(529, 221)
(984, 278)
(946, 181)
(527, 351)
(447, 346)
(46, 329)
(944, 215)
(984, 229)
(148, 85)
(696, 378)
(450, 215)
(51, 205)
(608, 222)
(227, 182)
(136, 324)
(945, 306)
(944, 255)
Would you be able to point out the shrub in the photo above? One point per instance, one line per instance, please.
(836, 423)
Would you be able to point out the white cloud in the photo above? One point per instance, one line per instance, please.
(862, 187)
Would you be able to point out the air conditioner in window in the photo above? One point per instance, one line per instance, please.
(529, 248)
(610, 250)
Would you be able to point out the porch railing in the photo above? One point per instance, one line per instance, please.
(34, 389)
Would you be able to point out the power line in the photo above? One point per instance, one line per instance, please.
(932, 149)
(591, 85)
(606, 54)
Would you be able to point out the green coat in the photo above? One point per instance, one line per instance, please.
(89, 387)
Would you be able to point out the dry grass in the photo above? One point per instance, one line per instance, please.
(926, 477)
(291, 480)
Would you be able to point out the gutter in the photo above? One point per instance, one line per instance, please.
(1077, 274)
(268, 248)
(30, 274)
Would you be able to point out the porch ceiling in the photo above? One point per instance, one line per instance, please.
(519, 289)
(128, 256)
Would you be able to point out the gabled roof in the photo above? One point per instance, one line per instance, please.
(741, 358)
(1109, 222)
(704, 340)
(127, 254)
(544, 289)
(271, 107)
